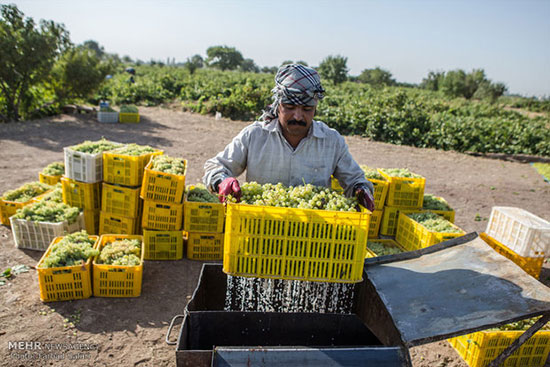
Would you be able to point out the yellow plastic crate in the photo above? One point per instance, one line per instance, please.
(299, 244)
(47, 179)
(80, 194)
(380, 190)
(124, 169)
(117, 280)
(67, 282)
(120, 200)
(386, 242)
(204, 246)
(404, 192)
(162, 216)
(162, 245)
(111, 223)
(412, 235)
(390, 214)
(91, 221)
(531, 265)
(163, 187)
(9, 208)
(375, 221)
(203, 217)
(128, 117)
(480, 348)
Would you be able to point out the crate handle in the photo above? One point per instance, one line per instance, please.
(115, 158)
(170, 329)
(119, 191)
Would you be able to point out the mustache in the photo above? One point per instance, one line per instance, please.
(296, 122)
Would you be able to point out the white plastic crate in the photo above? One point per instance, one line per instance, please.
(83, 167)
(522, 232)
(39, 235)
(107, 117)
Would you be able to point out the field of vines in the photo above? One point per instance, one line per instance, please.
(407, 116)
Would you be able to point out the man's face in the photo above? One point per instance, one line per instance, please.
(296, 119)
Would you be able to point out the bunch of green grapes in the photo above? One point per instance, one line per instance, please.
(26, 192)
(56, 195)
(303, 197)
(121, 252)
(128, 109)
(381, 249)
(166, 164)
(433, 222)
(135, 150)
(372, 173)
(94, 147)
(522, 325)
(48, 211)
(433, 203)
(400, 172)
(54, 169)
(200, 194)
(106, 109)
(74, 249)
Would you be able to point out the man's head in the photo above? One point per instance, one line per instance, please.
(295, 96)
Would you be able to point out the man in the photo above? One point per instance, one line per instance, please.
(288, 146)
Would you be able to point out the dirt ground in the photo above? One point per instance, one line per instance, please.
(131, 332)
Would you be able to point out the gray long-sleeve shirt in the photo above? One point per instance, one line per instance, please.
(267, 156)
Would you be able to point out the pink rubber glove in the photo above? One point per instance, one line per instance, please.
(365, 198)
(229, 186)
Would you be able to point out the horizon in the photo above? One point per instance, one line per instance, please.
(409, 39)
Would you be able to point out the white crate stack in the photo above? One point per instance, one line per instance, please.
(39, 235)
(522, 232)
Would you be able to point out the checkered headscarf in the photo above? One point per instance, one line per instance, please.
(294, 84)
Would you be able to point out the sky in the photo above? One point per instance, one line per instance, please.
(509, 39)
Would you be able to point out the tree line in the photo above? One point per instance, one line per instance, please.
(39, 58)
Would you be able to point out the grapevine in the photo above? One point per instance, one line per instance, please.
(303, 197)
(94, 147)
(73, 249)
(26, 192)
(121, 252)
(433, 222)
(200, 194)
(54, 169)
(166, 164)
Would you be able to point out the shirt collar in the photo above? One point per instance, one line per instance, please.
(316, 131)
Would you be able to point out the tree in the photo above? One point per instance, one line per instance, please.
(248, 65)
(433, 80)
(28, 54)
(377, 77)
(270, 69)
(223, 57)
(95, 47)
(489, 91)
(79, 73)
(334, 68)
(454, 83)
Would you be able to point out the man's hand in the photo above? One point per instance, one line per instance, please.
(229, 186)
(365, 198)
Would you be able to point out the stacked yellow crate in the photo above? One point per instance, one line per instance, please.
(86, 196)
(203, 224)
(405, 194)
(123, 173)
(162, 218)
